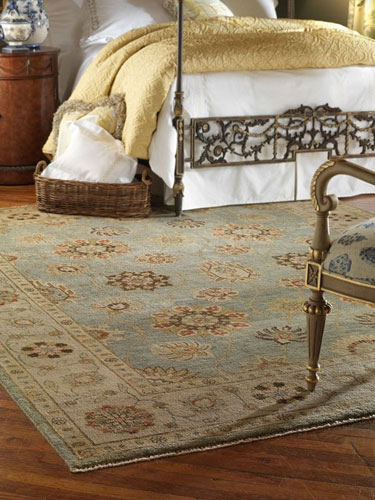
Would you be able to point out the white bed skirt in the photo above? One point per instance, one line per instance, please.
(260, 93)
(263, 184)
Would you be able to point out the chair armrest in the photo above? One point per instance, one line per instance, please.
(324, 203)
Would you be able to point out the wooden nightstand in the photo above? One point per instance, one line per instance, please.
(28, 100)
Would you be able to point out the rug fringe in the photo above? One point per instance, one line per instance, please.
(335, 423)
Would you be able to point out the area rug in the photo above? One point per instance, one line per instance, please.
(127, 340)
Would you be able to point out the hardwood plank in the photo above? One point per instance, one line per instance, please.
(13, 496)
(17, 195)
(331, 471)
(84, 487)
(250, 484)
(365, 201)
(320, 490)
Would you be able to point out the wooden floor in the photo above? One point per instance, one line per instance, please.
(330, 464)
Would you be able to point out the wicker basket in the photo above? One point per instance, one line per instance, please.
(93, 198)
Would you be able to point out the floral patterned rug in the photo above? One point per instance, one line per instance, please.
(126, 340)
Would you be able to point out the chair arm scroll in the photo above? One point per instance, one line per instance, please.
(325, 203)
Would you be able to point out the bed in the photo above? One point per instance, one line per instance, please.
(305, 104)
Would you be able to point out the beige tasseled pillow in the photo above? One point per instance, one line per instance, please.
(197, 9)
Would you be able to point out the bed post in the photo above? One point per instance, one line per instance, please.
(291, 9)
(178, 188)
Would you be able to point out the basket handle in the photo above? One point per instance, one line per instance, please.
(40, 167)
(146, 176)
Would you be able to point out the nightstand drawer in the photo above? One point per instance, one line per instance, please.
(27, 65)
(25, 123)
(28, 100)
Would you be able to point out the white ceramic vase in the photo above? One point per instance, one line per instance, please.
(33, 11)
(39, 22)
(15, 28)
(15, 34)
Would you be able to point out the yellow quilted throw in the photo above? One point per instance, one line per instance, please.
(141, 65)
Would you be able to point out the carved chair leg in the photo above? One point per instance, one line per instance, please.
(316, 309)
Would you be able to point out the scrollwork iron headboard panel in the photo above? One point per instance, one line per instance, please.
(247, 140)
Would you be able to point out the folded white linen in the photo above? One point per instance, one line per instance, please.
(87, 152)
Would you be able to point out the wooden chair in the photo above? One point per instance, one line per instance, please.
(344, 266)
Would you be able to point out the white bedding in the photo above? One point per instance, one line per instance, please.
(252, 93)
(80, 28)
(260, 92)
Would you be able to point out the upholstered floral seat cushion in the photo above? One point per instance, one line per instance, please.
(352, 254)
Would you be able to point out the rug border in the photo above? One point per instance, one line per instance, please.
(39, 422)
(62, 450)
(59, 446)
(326, 425)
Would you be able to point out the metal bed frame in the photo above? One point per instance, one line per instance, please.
(247, 140)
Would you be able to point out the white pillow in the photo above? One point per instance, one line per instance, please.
(76, 24)
(67, 25)
(66, 20)
(197, 9)
(88, 153)
(111, 18)
(255, 8)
